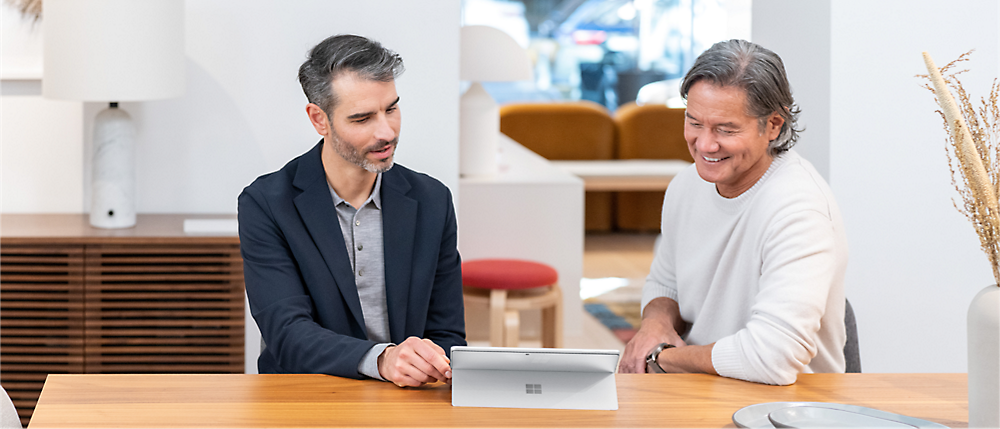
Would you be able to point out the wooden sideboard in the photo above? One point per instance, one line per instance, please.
(149, 299)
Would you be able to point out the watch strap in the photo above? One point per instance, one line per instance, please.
(652, 366)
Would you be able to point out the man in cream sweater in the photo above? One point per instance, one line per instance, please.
(748, 277)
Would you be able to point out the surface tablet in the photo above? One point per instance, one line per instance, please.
(511, 377)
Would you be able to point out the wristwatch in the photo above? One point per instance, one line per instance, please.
(651, 365)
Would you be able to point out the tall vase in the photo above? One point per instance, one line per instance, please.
(984, 359)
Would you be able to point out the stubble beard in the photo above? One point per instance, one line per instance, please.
(358, 157)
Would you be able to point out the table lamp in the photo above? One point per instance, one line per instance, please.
(113, 51)
(488, 55)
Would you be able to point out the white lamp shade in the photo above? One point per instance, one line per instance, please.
(490, 55)
(113, 50)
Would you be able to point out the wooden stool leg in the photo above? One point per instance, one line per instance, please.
(512, 325)
(549, 327)
(498, 306)
(559, 323)
(552, 322)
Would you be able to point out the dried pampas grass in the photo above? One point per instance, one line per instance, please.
(31, 9)
(974, 145)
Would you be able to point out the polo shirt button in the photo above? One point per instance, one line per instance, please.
(361, 247)
(357, 222)
(361, 273)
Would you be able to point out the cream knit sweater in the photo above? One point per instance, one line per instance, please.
(760, 275)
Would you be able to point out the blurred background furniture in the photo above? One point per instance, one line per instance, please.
(649, 131)
(488, 55)
(585, 139)
(577, 130)
(625, 174)
(530, 210)
(510, 286)
(75, 299)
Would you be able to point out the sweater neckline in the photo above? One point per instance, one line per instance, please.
(738, 203)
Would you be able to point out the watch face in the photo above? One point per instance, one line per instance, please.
(651, 365)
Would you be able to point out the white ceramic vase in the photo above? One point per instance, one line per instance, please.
(984, 359)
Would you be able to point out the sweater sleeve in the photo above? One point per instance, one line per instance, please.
(662, 279)
(800, 255)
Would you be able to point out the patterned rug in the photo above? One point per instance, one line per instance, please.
(622, 318)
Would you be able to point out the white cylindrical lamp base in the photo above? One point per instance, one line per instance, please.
(478, 129)
(113, 186)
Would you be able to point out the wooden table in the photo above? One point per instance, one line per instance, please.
(675, 400)
(625, 174)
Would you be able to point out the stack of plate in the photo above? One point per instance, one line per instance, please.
(822, 415)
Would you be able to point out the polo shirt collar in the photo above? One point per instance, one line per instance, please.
(375, 197)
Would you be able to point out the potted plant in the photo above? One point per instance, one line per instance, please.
(974, 158)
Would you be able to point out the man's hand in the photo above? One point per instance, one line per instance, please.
(651, 333)
(414, 362)
(659, 321)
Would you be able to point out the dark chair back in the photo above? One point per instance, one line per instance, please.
(852, 355)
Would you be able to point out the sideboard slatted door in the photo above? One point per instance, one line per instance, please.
(41, 318)
(164, 309)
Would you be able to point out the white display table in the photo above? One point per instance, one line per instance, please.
(625, 174)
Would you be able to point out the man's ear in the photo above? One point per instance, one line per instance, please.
(320, 121)
(774, 124)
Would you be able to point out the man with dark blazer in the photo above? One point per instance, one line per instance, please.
(351, 263)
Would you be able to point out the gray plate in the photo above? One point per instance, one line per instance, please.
(825, 414)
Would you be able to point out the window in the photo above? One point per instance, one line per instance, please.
(606, 50)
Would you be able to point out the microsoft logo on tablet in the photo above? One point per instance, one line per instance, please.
(533, 389)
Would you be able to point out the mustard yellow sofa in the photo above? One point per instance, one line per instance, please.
(650, 131)
(584, 130)
(575, 130)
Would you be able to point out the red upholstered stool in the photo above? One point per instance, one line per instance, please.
(508, 286)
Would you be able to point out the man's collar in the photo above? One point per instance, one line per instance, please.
(375, 196)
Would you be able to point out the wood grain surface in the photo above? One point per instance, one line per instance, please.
(674, 400)
(76, 229)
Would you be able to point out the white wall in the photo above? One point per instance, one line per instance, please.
(41, 151)
(243, 114)
(41, 155)
(915, 262)
(807, 62)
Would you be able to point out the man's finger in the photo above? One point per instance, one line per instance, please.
(406, 381)
(631, 366)
(425, 359)
(434, 355)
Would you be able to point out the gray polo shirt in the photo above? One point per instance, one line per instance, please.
(362, 230)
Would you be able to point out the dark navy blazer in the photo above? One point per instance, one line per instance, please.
(299, 278)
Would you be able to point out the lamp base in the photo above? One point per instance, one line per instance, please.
(479, 124)
(113, 186)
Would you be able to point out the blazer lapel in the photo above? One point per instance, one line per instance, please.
(399, 224)
(315, 206)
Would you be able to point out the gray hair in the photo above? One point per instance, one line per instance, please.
(345, 53)
(761, 74)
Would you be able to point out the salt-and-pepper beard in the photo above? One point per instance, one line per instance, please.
(358, 157)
